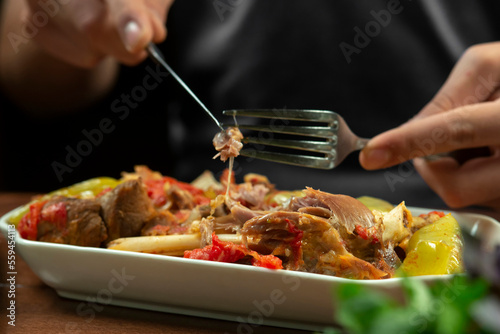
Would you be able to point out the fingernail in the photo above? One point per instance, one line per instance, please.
(377, 158)
(131, 34)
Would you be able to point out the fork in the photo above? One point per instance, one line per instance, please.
(158, 58)
(338, 140)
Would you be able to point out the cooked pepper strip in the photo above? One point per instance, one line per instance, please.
(156, 190)
(28, 226)
(225, 251)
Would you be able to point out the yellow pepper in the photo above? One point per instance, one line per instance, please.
(374, 203)
(435, 249)
(87, 189)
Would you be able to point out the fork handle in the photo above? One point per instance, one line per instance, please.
(361, 143)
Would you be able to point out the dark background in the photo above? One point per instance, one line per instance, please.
(260, 54)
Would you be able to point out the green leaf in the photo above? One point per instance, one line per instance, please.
(418, 295)
(358, 308)
(441, 308)
(451, 321)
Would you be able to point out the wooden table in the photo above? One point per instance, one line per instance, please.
(40, 310)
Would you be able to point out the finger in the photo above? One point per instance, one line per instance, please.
(84, 32)
(495, 95)
(61, 35)
(475, 182)
(121, 30)
(61, 45)
(159, 10)
(160, 7)
(474, 79)
(158, 26)
(465, 127)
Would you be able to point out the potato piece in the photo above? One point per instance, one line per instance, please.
(435, 249)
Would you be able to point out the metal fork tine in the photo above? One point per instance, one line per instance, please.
(340, 140)
(290, 159)
(310, 131)
(305, 145)
(290, 114)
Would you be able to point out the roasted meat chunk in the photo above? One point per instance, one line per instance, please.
(323, 233)
(307, 243)
(72, 221)
(179, 199)
(360, 232)
(126, 209)
(344, 210)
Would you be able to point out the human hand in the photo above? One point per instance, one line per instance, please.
(464, 114)
(83, 32)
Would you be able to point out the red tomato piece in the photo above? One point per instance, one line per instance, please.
(224, 251)
(156, 191)
(104, 191)
(296, 243)
(55, 213)
(439, 213)
(28, 226)
(219, 251)
(366, 234)
(268, 261)
(361, 232)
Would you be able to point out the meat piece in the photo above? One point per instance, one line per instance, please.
(72, 221)
(226, 224)
(366, 244)
(252, 196)
(228, 143)
(206, 230)
(330, 223)
(346, 211)
(306, 242)
(316, 211)
(354, 222)
(242, 214)
(126, 209)
(161, 224)
(179, 199)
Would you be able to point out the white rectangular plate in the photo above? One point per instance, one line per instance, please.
(244, 294)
